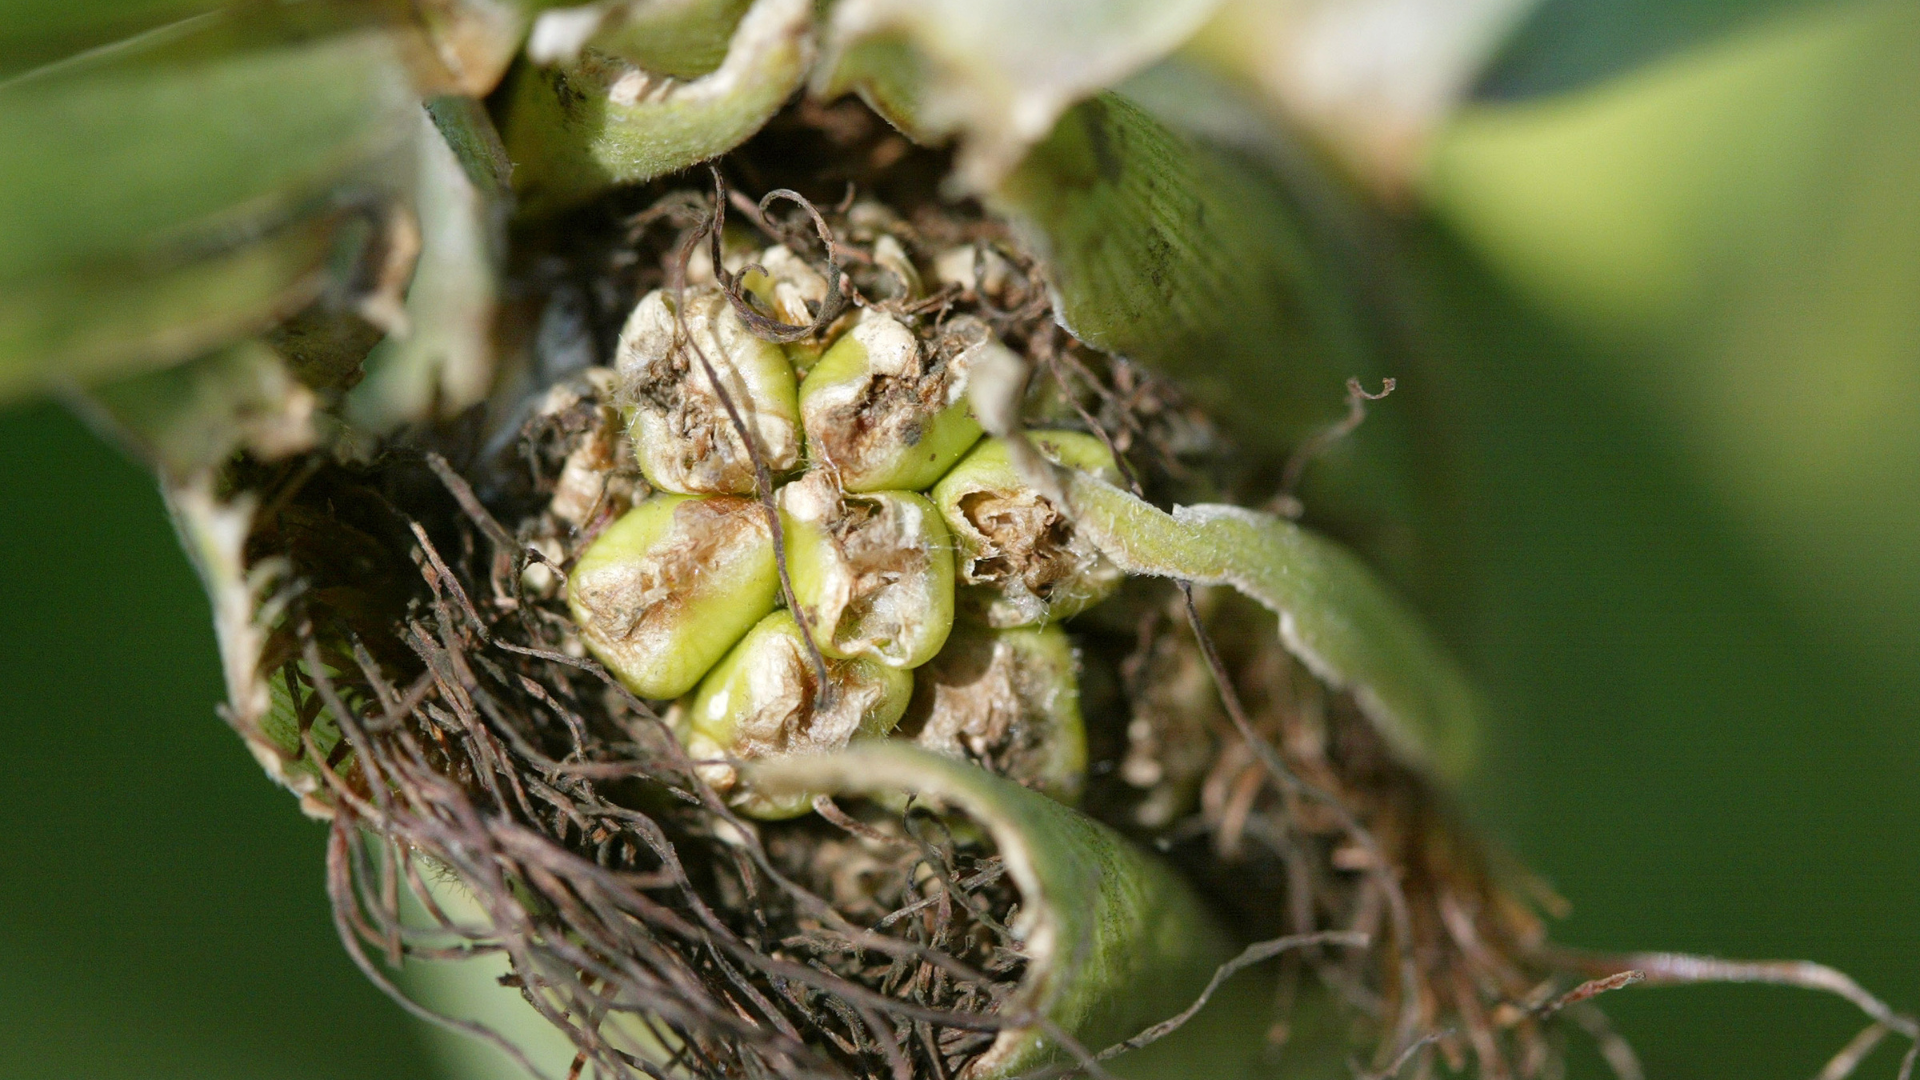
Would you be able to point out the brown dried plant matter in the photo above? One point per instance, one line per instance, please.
(665, 935)
(1028, 540)
(637, 911)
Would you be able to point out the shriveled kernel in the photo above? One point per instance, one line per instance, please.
(1008, 700)
(873, 573)
(890, 256)
(682, 434)
(665, 591)
(765, 700)
(885, 412)
(1016, 547)
(597, 476)
(977, 270)
(787, 284)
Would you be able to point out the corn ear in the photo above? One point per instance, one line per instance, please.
(793, 290)
(665, 591)
(765, 700)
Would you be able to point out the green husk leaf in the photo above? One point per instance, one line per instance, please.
(1117, 941)
(576, 130)
(681, 38)
(998, 73)
(1341, 621)
(443, 359)
(78, 327)
(1180, 254)
(169, 196)
(189, 419)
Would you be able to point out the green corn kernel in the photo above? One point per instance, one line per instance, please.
(664, 592)
(765, 700)
(1008, 700)
(885, 412)
(682, 433)
(873, 572)
(1015, 545)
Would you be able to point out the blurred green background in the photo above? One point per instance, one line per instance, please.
(1669, 306)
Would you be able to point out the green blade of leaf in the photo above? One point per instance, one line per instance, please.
(1335, 615)
(576, 130)
(1176, 253)
(1116, 941)
(164, 198)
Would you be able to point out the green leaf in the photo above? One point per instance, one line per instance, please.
(165, 197)
(442, 362)
(1116, 940)
(576, 130)
(1177, 253)
(1335, 615)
